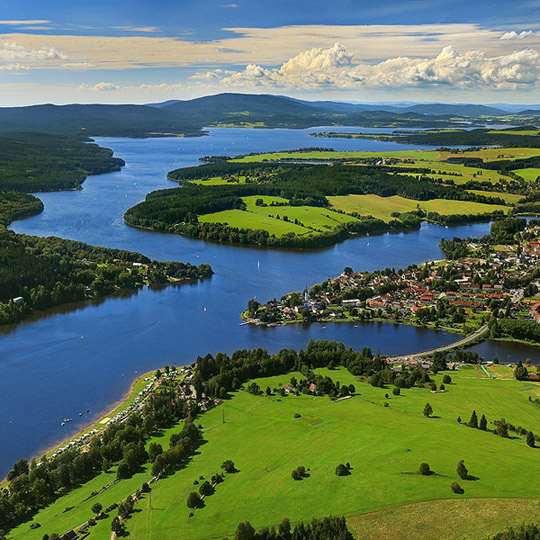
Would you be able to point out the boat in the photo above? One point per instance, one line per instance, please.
(68, 419)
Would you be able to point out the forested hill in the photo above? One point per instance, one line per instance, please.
(188, 118)
(47, 272)
(84, 121)
(41, 162)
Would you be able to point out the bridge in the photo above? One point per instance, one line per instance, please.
(459, 343)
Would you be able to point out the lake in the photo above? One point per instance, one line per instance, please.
(85, 356)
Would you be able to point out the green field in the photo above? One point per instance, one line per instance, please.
(530, 174)
(383, 207)
(447, 519)
(384, 445)
(312, 219)
(510, 198)
(218, 181)
(323, 156)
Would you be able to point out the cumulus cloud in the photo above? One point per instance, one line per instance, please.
(515, 35)
(334, 68)
(14, 67)
(12, 51)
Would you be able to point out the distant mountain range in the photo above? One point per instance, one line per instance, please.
(235, 103)
(245, 110)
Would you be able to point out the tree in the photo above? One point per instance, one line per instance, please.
(473, 422)
(295, 475)
(206, 489)
(530, 439)
(245, 531)
(501, 428)
(228, 466)
(428, 410)
(285, 529)
(194, 500)
(521, 373)
(396, 391)
(118, 527)
(342, 470)
(97, 508)
(461, 470)
(424, 469)
(483, 423)
(154, 450)
(447, 379)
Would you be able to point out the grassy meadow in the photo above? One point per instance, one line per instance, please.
(310, 219)
(384, 445)
(383, 207)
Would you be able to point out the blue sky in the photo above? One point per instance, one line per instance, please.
(141, 51)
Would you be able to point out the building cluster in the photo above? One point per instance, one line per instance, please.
(477, 284)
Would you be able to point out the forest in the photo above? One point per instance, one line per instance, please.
(14, 205)
(41, 162)
(477, 137)
(177, 210)
(48, 272)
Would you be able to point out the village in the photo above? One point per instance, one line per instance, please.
(458, 295)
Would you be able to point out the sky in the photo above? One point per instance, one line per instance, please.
(141, 51)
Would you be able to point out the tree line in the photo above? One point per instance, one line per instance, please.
(48, 272)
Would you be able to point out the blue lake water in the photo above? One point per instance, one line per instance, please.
(85, 356)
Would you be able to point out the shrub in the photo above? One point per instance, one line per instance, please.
(530, 439)
(462, 471)
(297, 415)
(342, 470)
(424, 469)
(428, 410)
(396, 391)
(447, 379)
(193, 500)
(456, 488)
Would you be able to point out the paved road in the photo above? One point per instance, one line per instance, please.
(463, 341)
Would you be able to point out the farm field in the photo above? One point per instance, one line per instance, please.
(258, 217)
(383, 207)
(510, 198)
(529, 174)
(322, 156)
(473, 519)
(218, 181)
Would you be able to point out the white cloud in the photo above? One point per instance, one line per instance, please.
(17, 23)
(14, 67)
(129, 28)
(515, 35)
(229, 6)
(12, 51)
(79, 65)
(333, 68)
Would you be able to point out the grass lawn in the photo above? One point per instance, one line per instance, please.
(384, 445)
(529, 174)
(445, 519)
(382, 207)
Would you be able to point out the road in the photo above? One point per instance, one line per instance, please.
(463, 341)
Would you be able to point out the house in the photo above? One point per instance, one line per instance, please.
(313, 387)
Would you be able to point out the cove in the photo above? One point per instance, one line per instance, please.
(85, 356)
